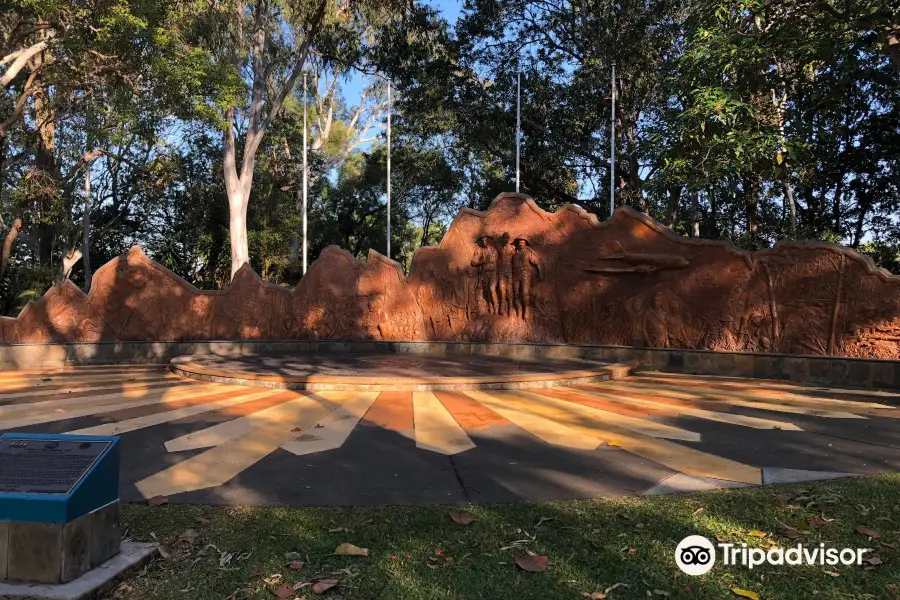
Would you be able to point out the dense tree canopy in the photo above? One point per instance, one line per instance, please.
(180, 126)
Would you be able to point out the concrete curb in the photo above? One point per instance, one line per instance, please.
(130, 556)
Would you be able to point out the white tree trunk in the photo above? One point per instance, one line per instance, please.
(239, 183)
(70, 259)
(86, 241)
(237, 228)
(695, 214)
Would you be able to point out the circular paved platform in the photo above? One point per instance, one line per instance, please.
(209, 443)
(399, 372)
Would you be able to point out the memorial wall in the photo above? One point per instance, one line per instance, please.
(513, 274)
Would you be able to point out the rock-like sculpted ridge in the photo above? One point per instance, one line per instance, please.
(513, 274)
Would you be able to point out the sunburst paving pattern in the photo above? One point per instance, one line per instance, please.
(232, 444)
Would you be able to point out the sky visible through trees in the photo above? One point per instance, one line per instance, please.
(746, 120)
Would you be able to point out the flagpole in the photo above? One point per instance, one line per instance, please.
(389, 170)
(518, 122)
(304, 173)
(612, 147)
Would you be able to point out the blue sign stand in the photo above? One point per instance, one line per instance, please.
(71, 494)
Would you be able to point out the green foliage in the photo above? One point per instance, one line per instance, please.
(726, 109)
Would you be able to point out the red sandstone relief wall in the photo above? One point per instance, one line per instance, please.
(559, 277)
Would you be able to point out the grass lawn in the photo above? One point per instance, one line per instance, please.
(593, 545)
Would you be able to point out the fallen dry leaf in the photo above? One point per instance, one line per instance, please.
(461, 518)
(866, 531)
(745, 593)
(292, 556)
(533, 563)
(832, 573)
(756, 533)
(790, 533)
(190, 536)
(284, 591)
(203, 520)
(157, 500)
(594, 596)
(296, 565)
(816, 522)
(339, 530)
(162, 551)
(255, 572)
(323, 585)
(874, 560)
(784, 496)
(273, 579)
(614, 586)
(346, 549)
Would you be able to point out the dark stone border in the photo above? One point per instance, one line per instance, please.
(828, 370)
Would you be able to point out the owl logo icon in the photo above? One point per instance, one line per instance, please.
(695, 555)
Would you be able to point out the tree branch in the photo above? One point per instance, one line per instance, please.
(19, 62)
(20, 104)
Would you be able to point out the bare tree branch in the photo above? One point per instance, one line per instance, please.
(19, 62)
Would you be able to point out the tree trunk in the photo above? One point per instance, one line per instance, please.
(86, 241)
(863, 207)
(836, 205)
(45, 176)
(69, 260)
(789, 194)
(695, 214)
(634, 176)
(237, 189)
(237, 228)
(239, 183)
(751, 185)
(8, 242)
(86, 237)
(425, 226)
(674, 196)
(890, 37)
(714, 230)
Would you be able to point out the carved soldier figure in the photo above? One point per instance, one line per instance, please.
(656, 333)
(507, 252)
(720, 336)
(372, 316)
(675, 320)
(485, 259)
(522, 262)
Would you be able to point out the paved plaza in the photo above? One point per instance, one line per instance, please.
(205, 442)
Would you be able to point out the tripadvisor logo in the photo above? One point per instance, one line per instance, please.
(696, 555)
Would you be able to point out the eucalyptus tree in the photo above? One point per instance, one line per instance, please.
(75, 75)
(268, 44)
